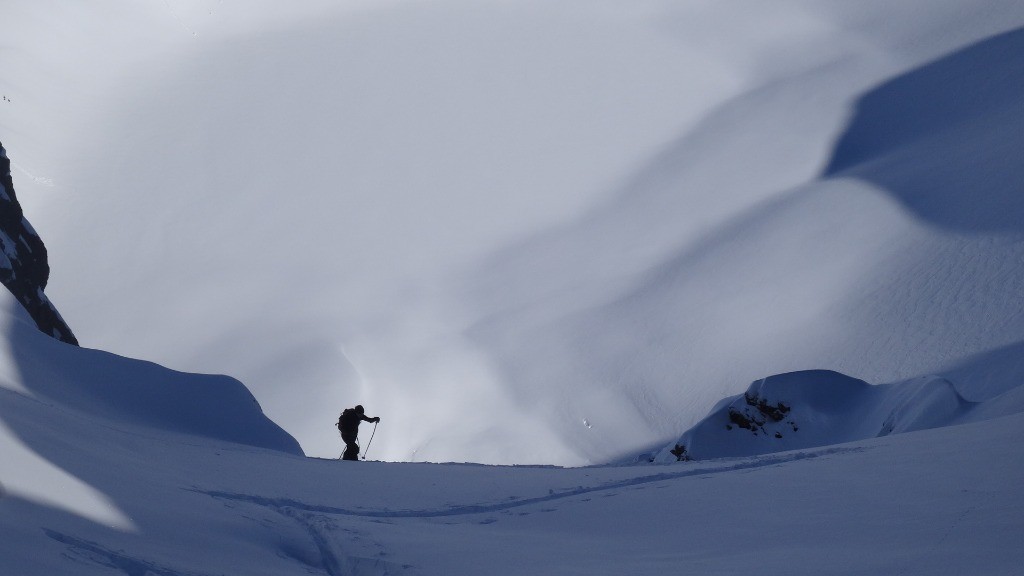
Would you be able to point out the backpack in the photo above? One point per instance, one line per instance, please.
(345, 415)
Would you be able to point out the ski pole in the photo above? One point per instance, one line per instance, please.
(371, 440)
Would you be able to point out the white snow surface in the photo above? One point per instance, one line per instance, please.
(90, 489)
(524, 231)
(815, 408)
(521, 233)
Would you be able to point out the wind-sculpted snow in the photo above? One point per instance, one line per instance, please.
(201, 507)
(945, 139)
(518, 245)
(139, 393)
(814, 408)
(520, 232)
(113, 466)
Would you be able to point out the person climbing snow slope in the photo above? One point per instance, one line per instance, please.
(348, 424)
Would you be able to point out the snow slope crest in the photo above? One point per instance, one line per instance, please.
(133, 392)
(813, 408)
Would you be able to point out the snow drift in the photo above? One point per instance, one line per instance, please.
(132, 392)
(91, 489)
(519, 245)
(819, 408)
(129, 472)
(689, 196)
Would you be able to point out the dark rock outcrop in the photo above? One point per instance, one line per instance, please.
(23, 266)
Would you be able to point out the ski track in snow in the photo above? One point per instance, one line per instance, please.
(500, 247)
(362, 554)
(338, 562)
(283, 505)
(89, 552)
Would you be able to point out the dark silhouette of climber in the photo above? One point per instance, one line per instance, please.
(348, 424)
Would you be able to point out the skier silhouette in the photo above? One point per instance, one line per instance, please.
(348, 424)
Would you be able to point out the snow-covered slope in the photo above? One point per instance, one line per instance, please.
(817, 408)
(519, 232)
(139, 470)
(59, 388)
(516, 243)
(103, 386)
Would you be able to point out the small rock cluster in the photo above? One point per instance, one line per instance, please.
(680, 453)
(758, 412)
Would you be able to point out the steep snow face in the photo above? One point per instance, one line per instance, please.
(102, 386)
(24, 269)
(63, 399)
(516, 244)
(820, 408)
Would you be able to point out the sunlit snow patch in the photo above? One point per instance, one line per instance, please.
(31, 477)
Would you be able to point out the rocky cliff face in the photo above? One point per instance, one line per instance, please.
(23, 267)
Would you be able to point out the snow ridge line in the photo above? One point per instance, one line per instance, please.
(469, 509)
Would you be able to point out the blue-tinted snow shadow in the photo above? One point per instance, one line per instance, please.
(137, 392)
(947, 139)
(102, 419)
(988, 374)
(90, 396)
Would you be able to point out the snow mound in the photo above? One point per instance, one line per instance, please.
(813, 408)
(130, 391)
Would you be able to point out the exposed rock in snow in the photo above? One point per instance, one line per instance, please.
(23, 266)
(815, 408)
